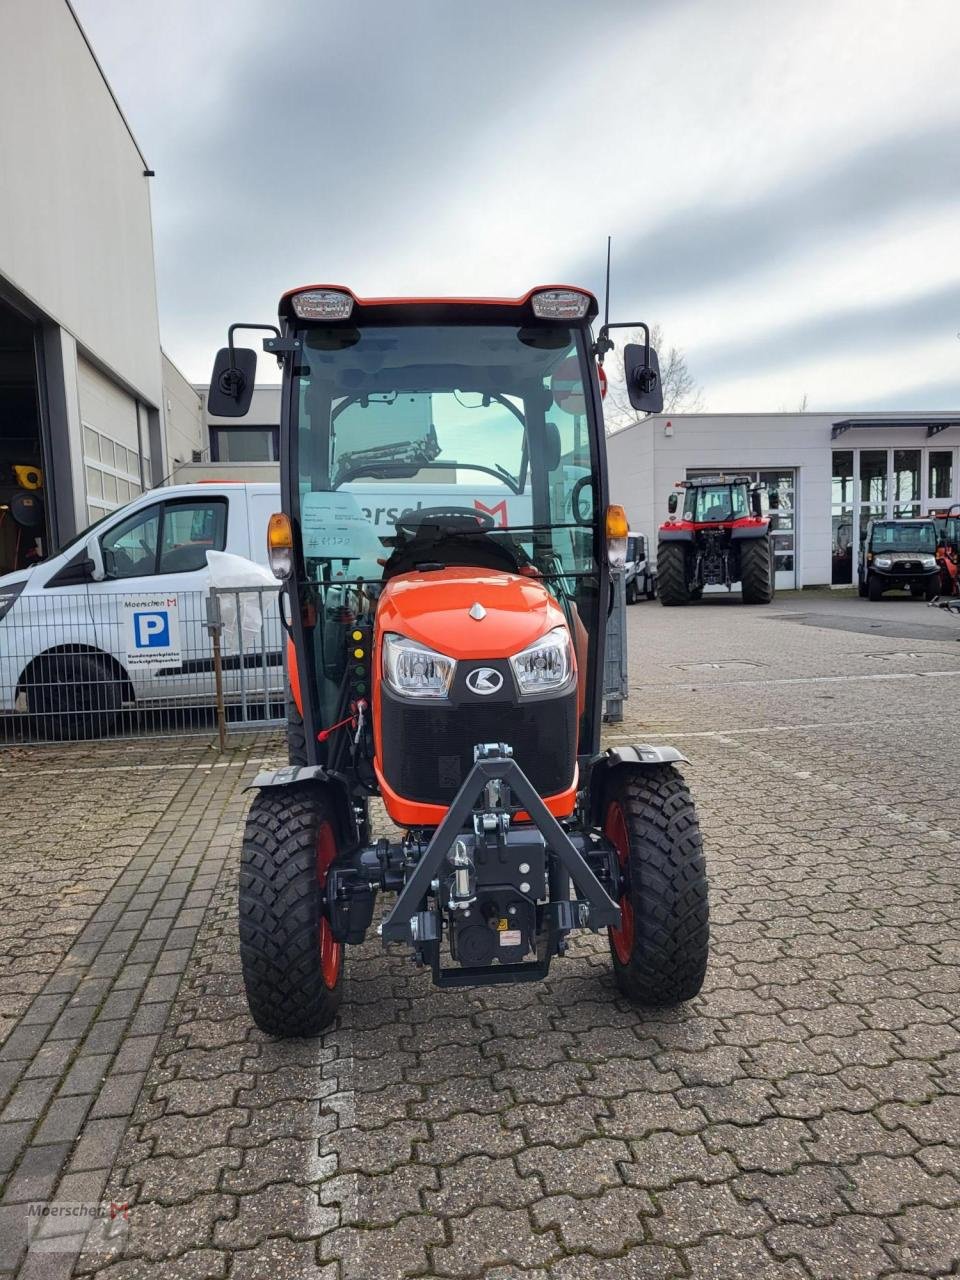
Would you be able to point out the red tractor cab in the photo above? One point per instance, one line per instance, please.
(717, 534)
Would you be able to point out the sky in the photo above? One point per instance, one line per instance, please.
(781, 180)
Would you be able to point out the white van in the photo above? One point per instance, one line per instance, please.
(118, 616)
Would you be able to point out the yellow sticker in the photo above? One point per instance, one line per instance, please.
(502, 925)
(358, 635)
(358, 653)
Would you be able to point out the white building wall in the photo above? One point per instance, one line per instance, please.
(183, 418)
(75, 229)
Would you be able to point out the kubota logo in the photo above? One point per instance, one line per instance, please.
(484, 680)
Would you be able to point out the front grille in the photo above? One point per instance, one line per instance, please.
(428, 750)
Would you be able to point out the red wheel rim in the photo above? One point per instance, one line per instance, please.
(331, 951)
(615, 829)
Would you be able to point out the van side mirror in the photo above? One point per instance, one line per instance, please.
(232, 382)
(643, 378)
(774, 500)
(672, 504)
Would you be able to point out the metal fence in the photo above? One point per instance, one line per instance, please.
(615, 687)
(123, 663)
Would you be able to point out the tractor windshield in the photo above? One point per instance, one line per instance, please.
(489, 419)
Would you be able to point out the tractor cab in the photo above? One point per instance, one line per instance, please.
(445, 551)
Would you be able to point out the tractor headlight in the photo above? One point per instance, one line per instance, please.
(546, 664)
(413, 670)
(883, 562)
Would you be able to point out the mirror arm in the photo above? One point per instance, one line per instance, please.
(604, 344)
(232, 381)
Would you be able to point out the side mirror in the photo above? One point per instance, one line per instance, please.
(551, 446)
(643, 378)
(641, 548)
(97, 568)
(232, 382)
(672, 503)
(774, 500)
(756, 502)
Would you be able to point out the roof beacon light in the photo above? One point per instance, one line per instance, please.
(560, 304)
(322, 304)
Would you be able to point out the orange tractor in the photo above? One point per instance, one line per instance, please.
(445, 654)
(948, 549)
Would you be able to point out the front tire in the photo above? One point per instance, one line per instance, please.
(296, 734)
(292, 966)
(673, 574)
(932, 591)
(660, 951)
(874, 588)
(73, 696)
(756, 571)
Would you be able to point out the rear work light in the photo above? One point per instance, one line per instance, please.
(280, 545)
(322, 304)
(560, 304)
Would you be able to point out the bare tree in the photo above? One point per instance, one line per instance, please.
(681, 394)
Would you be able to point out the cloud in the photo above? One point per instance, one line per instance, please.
(761, 167)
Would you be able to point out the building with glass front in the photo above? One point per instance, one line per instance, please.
(833, 472)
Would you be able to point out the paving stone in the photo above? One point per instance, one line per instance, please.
(604, 1225)
(488, 1237)
(851, 1246)
(396, 1250)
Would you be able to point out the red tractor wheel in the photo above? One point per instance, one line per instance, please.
(292, 964)
(660, 950)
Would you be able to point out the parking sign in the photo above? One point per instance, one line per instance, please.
(152, 631)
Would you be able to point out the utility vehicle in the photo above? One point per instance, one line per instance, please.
(640, 576)
(452, 666)
(899, 554)
(720, 535)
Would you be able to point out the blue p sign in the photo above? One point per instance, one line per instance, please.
(152, 630)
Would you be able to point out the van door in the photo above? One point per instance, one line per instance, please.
(150, 609)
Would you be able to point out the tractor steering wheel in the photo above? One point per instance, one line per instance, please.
(453, 519)
(575, 493)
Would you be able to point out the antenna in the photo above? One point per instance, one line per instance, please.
(606, 296)
(603, 343)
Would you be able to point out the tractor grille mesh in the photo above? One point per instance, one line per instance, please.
(428, 751)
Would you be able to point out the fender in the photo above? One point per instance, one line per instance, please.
(753, 529)
(642, 756)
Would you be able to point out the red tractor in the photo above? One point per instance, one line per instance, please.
(721, 536)
(445, 654)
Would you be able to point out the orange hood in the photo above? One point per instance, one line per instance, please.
(434, 609)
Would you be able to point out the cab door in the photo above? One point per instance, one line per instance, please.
(150, 608)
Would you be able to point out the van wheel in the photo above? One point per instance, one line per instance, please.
(71, 696)
(660, 950)
(650, 588)
(292, 964)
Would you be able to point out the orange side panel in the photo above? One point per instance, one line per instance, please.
(410, 813)
(293, 675)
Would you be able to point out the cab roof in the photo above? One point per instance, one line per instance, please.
(456, 310)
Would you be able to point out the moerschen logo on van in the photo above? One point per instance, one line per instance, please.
(152, 630)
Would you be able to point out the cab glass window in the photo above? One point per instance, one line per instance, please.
(130, 548)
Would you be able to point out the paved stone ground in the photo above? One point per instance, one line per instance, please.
(799, 1119)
